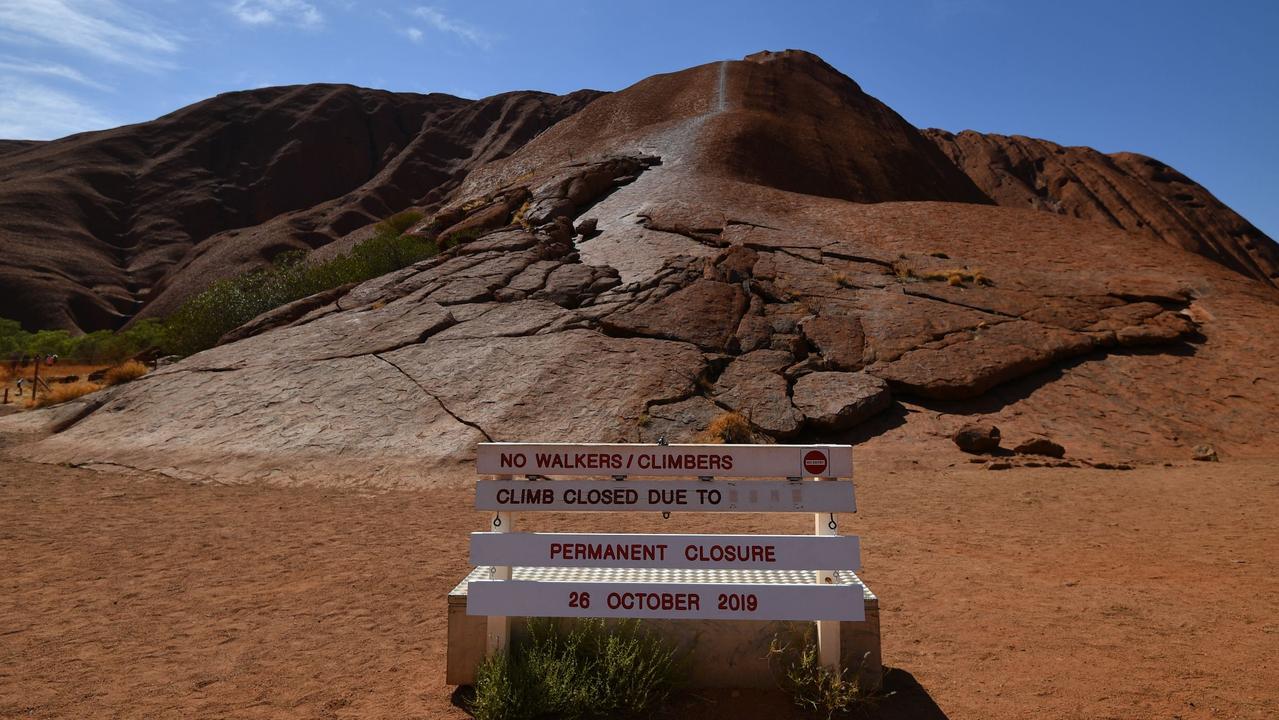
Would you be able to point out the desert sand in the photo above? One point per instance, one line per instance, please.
(1033, 592)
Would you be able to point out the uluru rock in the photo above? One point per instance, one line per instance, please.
(1040, 446)
(975, 438)
(833, 401)
(1131, 191)
(101, 227)
(717, 281)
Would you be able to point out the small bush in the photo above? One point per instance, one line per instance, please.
(844, 281)
(592, 671)
(729, 428)
(813, 686)
(63, 392)
(125, 372)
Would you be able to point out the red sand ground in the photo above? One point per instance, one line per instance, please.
(1061, 593)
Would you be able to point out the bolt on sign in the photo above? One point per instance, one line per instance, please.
(667, 576)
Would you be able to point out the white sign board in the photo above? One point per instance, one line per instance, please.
(740, 461)
(603, 550)
(691, 601)
(825, 496)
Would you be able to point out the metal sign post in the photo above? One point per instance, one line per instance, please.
(499, 626)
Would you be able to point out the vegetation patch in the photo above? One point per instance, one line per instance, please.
(730, 428)
(952, 276)
(814, 687)
(127, 371)
(96, 348)
(201, 321)
(590, 671)
(62, 392)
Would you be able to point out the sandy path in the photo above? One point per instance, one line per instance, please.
(1056, 593)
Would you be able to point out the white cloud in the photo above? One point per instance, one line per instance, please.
(413, 34)
(12, 64)
(271, 12)
(30, 111)
(446, 24)
(103, 29)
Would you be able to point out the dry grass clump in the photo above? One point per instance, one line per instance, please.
(518, 217)
(62, 392)
(125, 372)
(842, 280)
(955, 277)
(475, 203)
(728, 428)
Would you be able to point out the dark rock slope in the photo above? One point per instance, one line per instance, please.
(99, 227)
(1126, 190)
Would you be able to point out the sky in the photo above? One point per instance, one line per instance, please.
(1195, 84)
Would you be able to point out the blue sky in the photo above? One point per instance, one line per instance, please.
(1195, 84)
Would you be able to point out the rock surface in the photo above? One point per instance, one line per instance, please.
(1040, 446)
(833, 401)
(100, 227)
(1205, 453)
(974, 438)
(711, 286)
(1127, 190)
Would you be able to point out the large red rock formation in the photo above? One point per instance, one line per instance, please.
(99, 227)
(1126, 190)
(712, 284)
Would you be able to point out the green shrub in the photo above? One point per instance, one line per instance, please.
(592, 671)
(96, 348)
(201, 321)
(813, 686)
(227, 304)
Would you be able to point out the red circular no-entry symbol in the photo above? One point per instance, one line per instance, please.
(814, 462)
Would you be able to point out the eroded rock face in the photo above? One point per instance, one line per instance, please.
(100, 227)
(705, 313)
(1127, 190)
(833, 401)
(754, 386)
(701, 293)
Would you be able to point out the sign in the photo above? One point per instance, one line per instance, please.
(665, 496)
(815, 463)
(757, 552)
(685, 601)
(721, 461)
